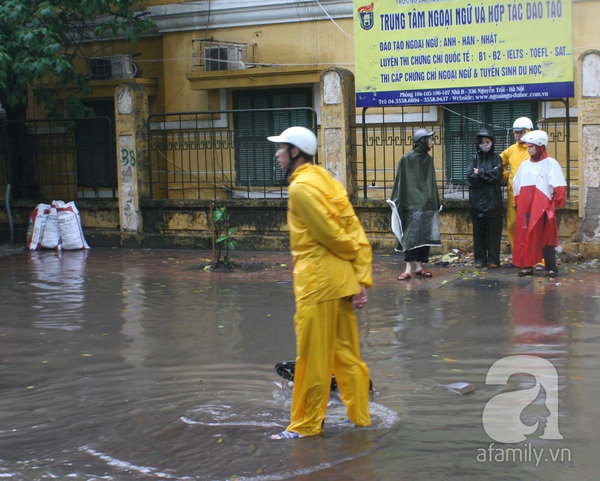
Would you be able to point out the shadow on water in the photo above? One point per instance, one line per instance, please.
(135, 365)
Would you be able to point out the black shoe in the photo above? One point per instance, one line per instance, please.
(526, 272)
(552, 274)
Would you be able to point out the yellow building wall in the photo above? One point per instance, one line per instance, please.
(290, 54)
(586, 35)
(287, 47)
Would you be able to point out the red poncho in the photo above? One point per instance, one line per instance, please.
(539, 188)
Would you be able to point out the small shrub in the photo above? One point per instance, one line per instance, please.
(222, 236)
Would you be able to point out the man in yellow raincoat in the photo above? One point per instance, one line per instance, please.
(332, 270)
(512, 158)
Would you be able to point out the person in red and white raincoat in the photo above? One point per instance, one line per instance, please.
(540, 188)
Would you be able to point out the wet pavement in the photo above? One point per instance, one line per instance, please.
(135, 365)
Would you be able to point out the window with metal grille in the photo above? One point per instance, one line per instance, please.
(96, 147)
(463, 121)
(254, 155)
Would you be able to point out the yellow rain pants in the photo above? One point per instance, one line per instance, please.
(327, 341)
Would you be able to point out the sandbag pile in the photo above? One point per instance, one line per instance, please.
(56, 226)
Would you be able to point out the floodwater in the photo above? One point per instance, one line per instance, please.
(139, 365)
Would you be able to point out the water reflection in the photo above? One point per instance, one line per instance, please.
(536, 316)
(135, 365)
(59, 290)
(134, 296)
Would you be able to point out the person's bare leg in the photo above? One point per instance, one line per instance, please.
(407, 274)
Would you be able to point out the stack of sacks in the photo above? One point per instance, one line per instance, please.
(56, 226)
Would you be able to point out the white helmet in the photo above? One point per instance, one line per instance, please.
(299, 137)
(523, 123)
(536, 137)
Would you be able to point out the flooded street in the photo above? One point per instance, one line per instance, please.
(127, 365)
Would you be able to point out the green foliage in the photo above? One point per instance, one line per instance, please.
(222, 236)
(40, 39)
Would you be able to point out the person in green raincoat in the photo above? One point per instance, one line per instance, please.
(415, 206)
(332, 271)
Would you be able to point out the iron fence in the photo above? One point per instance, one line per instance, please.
(381, 145)
(58, 159)
(225, 155)
(219, 154)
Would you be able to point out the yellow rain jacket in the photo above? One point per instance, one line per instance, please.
(332, 259)
(512, 158)
(332, 255)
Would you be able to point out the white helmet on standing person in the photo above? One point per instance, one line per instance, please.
(536, 137)
(302, 138)
(522, 123)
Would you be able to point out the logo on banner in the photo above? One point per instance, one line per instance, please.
(366, 16)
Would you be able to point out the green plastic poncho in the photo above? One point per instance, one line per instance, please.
(415, 200)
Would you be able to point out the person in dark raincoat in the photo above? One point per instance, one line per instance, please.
(484, 176)
(415, 205)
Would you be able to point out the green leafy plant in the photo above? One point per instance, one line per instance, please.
(43, 53)
(222, 236)
(42, 44)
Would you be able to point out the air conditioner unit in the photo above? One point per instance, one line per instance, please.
(112, 67)
(223, 57)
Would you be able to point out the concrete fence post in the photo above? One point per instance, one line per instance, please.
(338, 111)
(589, 150)
(131, 114)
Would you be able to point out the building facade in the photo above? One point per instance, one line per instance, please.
(182, 117)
